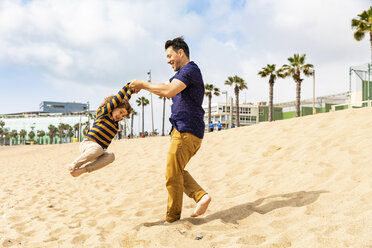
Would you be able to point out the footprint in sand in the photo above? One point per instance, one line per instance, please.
(252, 240)
(80, 239)
(139, 213)
(8, 242)
(271, 150)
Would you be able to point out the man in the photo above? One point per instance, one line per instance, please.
(186, 88)
(219, 126)
(211, 126)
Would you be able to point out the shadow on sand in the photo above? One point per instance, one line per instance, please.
(262, 206)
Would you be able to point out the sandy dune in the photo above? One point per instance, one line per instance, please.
(304, 182)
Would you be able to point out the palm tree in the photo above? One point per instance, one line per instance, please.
(294, 69)
(131, 122)
(363, 25)
(2, 124)
(40, 134)
(210, 90)
(269, 71)
(61, 132)
(70, 132)
(1, 136)
(31, 135)
(6, 135)
(77, 130)
(239, 84)
(86, 128)
(22, 134)
(51, 133)
(142, 101)
(164, 99)
(14, 134)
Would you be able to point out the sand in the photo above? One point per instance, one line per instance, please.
(303, 182)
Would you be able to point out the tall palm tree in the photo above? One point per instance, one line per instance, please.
(51, 133)
(269, 71)
(22, 134)
(210, 90)
(14, 134)
(164, 100)
(40, 134)
(239, 84)
(294, 68)
(363, 25)
(142, 101)
(131, 122)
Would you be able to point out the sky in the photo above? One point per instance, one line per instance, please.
(85, 50)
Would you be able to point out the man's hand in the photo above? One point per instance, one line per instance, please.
(136, 85)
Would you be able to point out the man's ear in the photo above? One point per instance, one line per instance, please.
(181, 52)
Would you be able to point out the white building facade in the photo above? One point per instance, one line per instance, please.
(248, 114)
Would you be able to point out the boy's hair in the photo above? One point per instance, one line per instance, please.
(124, 104)
(177, 44)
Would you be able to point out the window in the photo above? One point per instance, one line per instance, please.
(55, 106)
(245, 110)
(261, 111)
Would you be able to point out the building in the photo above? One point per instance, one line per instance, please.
(320, 104)
(63, 107)
(249, 113)
(52, 113)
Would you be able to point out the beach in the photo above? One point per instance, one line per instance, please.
(302, 182)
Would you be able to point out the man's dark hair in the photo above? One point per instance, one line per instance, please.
(177, 44)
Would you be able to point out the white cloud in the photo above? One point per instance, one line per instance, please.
(93, 46)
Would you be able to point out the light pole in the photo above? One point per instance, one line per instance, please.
(226, 115)
(314, 110)
(152, 113)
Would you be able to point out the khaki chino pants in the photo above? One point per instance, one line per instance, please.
(93, 154)
(183, 146)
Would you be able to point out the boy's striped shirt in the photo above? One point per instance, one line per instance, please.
(105, 127)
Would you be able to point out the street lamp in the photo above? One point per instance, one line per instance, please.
(314, 110)
(152, 113)
(226, 116)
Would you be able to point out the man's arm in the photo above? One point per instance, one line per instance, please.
(160, 89)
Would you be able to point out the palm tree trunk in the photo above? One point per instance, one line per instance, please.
(237, 106)
(271, 96)
(370, 39)
(298, 97)
(143, 119)
(209, 109)
(131, 127)
(162, 129)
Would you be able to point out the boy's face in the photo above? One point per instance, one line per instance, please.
(119, 113)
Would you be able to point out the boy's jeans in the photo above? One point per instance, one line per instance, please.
(94, 154)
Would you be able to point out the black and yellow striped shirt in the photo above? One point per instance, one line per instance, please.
(105, 127)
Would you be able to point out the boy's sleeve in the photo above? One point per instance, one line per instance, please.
(124, 93)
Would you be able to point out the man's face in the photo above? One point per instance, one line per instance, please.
(173, 58)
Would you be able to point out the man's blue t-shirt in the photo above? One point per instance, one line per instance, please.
(219, 125)
(187, 111)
